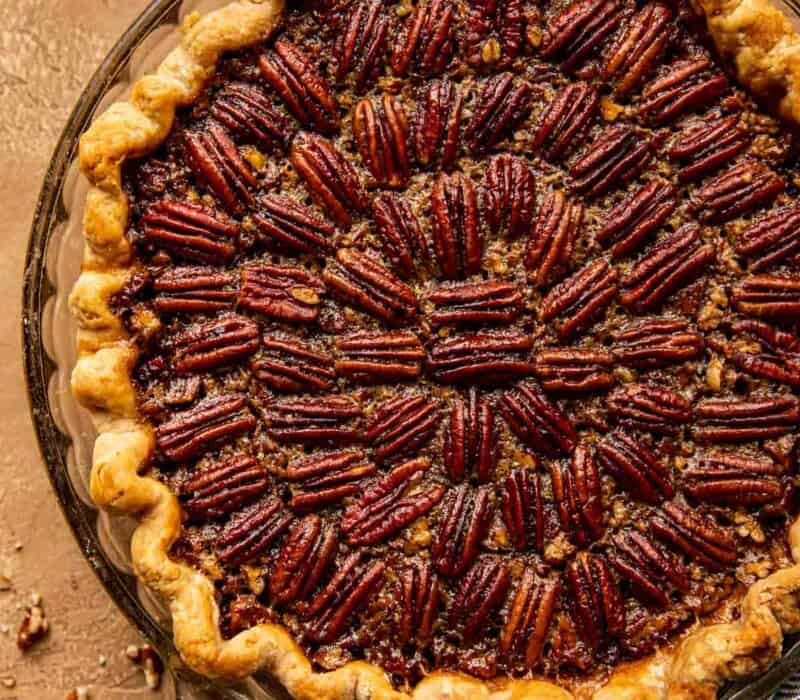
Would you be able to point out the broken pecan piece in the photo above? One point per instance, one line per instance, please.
(481, 358)
(734, 479)
(523, 512)
(222, 341)
(769, 296)
(576, 492)
(427, 38)
(224, 488)
(381, 134)
(401, 232)
(438, 123)
(509, 196)
(494, 32)
(315, 420)
(656, 342)
(247, 111)
(379, 357)
(649, 407)
(361, 43)
(706, 147)
(323, 479)
(632, 464)
(285, 224)
(500, 106)
(565, 122)
(465, 303)
(281, 292)
(578, 30)
(772, 240)
(742, 420)
(457, 235)
(779, 355)
(482, 591)
(251, 532)
(290, 366)
(574, 370)
(469, 442)
(528, 619)
(552, 238)
(419, 594)
(463, 524)
(402, 425)
(194, 290)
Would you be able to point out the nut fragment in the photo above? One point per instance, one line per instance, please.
(457, 235)
(379, 357)
(481, 358)
(552, 239)
(632, 464)
(290, 366)
(649, 407)
(509, 196)
(402, 425)
(381, 134)
(469, 444)
(438, 123)
(500, 106)
(576, 492)
(281, 292)
(34, 626)
(149, 661)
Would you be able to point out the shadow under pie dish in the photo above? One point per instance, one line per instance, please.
(450, 350)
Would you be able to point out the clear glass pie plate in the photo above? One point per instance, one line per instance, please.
(64, 431)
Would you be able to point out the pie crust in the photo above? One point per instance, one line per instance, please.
(766, 50)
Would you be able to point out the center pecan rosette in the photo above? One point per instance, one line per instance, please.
(468, 334)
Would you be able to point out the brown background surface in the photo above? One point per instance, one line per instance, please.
(48, 50)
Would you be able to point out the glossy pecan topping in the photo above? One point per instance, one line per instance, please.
(552, 238)
(494, 32)
(286, 225)
(739, 190)
(633, 465)
(669, 265)
(427, 38)
(697, 536)
(300, 85)
(616, 157)
(323, 479)
(649, 407)
(291, 366)
(381, 134)
(565, 122)
(580, 300)
(465, 303)
(637, 216)
(183, 390)
(685, 85)
(576, 492)
(402, 426)
(769, 296)
(528, 618)
(537, 421)
(381, 357)
(578, 30)
(217, 163)
(307, 551)
(469, 445)
(509, 196)
(280, 292)
(637, 49)
(390, 504)
(361, 43)
(457, 235)
(194, 290)
(481, 358)
(419, 595)
(316, 420)
(251, 532)
(464, 522)
(500, 106)
(772, 240)
(523, 512)
(190, 231)
(360, 280)
(224, 488)
(329, 177)
(401, 233)
(482, 591)
(656, 342)
(247, 111)
(706, 147)
(778, 357)
(742, 420)
(574, 370)
(734, 479)
(222, 341)
(648, 567)
(210, 423)
(438, 123)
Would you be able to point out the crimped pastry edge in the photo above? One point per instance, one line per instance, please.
(767, 54)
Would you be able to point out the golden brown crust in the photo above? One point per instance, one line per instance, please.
(767, 53)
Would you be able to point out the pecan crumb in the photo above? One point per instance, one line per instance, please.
(148, 660)
(34, 626)
(79, 693)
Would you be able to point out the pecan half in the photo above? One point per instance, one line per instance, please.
(574, 370)
(742, 420)
(194, 290)
(528, 618)
(552, 238)
(290, 366)
(191, 232)
(523, 512)
(390, 504)
(565, 122)
(537, 421)
(464, 522)
(419, 595)
(224, 488)
(734, 479)
(706, 147)
(222, 341)
(509, 196)
(469, 442)
(457, 235)
(286, 225)
(649, 407)
(216, 162)
(482, 591)
(379, 357)
(697, 536)
(465, 303)
(637, 216)
(315, 420)
(494, 32)
(778, 358)
(361, 43)
(208, 424)
(580, 300)
(769, 296)
(381, 134)
(632, 464)
(399, 228)
(438, 123)
(772, 240)
(685, 85)
(666, 267)
(427, 38)
(576, 492)
(251, 532)
(578, 30)
(247, 111)
(402, 426)
(306, 553)
(300, 85)
(323, 479)
(656, 342)
(360, 280)
(281, 292)
(329, 177)
(481, 358)
(739, 190)
(616, 157)
(500, 106)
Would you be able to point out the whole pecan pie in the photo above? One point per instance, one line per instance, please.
(449, 348)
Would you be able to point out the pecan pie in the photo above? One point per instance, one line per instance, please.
(450, 348)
